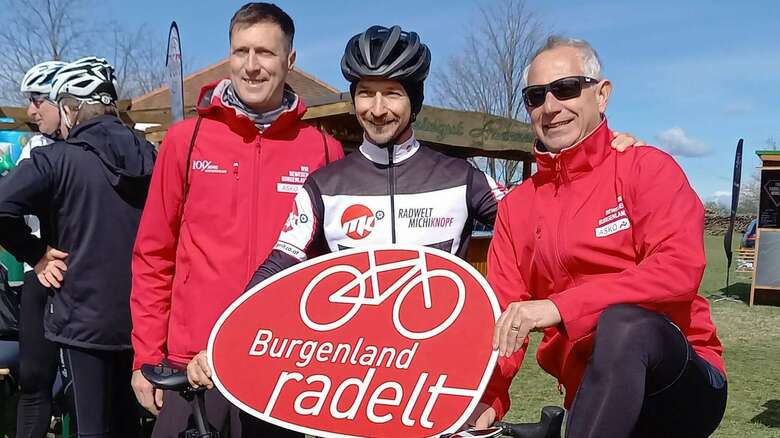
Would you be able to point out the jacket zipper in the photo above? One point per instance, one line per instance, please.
(234, 208)
(253, 224)
(391, 189)
(561, 218)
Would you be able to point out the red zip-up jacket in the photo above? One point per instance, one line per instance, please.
(191, 261)
(592, 228)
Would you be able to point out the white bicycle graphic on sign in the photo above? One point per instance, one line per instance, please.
(417, 274)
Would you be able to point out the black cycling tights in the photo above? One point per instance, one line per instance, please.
(103, 403)
(37, 362)
(644, 380)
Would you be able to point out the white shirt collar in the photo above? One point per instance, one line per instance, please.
(401, 151)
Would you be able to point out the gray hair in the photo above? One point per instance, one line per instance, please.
(591, 64)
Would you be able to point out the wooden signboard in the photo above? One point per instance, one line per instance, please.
(769, 204)
(767, 269)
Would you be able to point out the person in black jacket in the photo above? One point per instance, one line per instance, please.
(91, 188)
(38, 356)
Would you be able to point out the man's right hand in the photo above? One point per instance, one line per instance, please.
(51, 268)
(199, 372)
(483, 417)
(148, 396)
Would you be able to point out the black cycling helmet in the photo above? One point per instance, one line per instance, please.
(384, 53)
(388, 53)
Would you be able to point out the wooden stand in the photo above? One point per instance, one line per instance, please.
(767, 262)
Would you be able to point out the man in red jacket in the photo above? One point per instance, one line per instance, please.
(604, 253)
(221, 191)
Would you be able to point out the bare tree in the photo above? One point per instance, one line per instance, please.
(35, 31)
(139, 60)
(750, 195)
(43, 30)
(486, 76)
(771, 143)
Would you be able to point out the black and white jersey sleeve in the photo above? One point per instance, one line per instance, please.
(484, 194)
(299, 237)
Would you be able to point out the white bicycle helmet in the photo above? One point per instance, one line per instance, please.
(88, 79)
(40, 77)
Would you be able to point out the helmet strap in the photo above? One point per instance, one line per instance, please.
(64, 115)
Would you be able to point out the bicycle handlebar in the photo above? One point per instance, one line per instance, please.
(170, 378)
(549, 426)
(163, 376)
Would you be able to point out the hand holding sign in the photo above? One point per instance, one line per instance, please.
(199, 372)
(360, 342)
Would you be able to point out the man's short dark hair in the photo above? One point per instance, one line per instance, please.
(259, 12)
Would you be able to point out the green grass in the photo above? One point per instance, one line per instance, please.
(751, 338)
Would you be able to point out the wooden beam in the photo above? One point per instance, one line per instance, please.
(460, 133)
(330, 109)
(14, 112)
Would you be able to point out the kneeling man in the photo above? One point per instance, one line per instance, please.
(604, 252)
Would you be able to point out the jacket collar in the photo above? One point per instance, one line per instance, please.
(579, 158)
(401, 151)
(210, 104)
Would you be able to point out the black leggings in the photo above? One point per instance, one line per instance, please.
(102, 400)
(37, 362)
(176, 416)
(645, 380)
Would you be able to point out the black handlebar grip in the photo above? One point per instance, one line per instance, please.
(549, 425)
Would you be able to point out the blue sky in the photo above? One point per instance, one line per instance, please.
(690, 76)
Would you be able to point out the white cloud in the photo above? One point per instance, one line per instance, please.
(676, 142)
(722, 197)
(738, 109)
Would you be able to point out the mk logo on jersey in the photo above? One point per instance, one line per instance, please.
(358, 221)
(207, 166)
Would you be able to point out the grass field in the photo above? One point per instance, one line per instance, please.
(751, 338)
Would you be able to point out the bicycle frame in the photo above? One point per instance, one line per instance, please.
(418, 273)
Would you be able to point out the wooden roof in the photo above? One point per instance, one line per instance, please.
(305, 85)
(460, 133)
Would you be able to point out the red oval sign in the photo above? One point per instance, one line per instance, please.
(390, 341)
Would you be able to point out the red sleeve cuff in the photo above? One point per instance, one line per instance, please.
(499, 402)
(572, 322)
(143, 360)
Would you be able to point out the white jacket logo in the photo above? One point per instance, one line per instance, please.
(615, 219)
(207, 166)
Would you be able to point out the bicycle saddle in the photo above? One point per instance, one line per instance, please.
(165, 377)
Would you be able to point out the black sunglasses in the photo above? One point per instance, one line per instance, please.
(36, 99)
(563, 89)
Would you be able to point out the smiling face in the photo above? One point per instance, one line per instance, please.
(383, 110)
(560, 124)
(260, 58)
